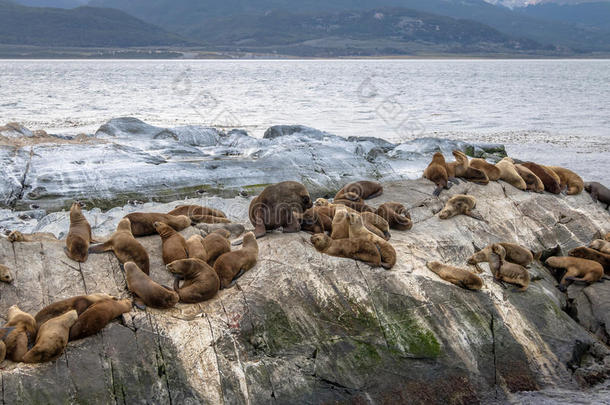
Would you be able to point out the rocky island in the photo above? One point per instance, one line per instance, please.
(302, 327)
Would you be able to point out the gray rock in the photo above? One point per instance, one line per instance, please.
(302, 327)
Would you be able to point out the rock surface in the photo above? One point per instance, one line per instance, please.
(128, 159)
(302, 327)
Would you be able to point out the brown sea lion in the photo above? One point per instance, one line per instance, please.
(314, 221)
(234, 229)
(79, 235)
(455, 275)
(216, 244)
(592, 254)
(274, 207)
(125, 246)
(601, 246)
(52, 338)
(492, 172)
(532, 182)
(360, 190)
(147, 291)
(194, 246)
(569, 180)
(231, 265)
(607, 237)
(79, 303)
(16, 236)
(200, 214)
(97, 316)
(460, 204)
(509, 174)
(396, 215)
(340, 224)
(174, 244)
(142, 223)
(505, 271)
(5, 274)
(358, 230)
(17, 339)
(577, 269)
(436, 172)
(376, 224)
(201, 282)
(549, 180)
(359, 206)
(514, 253)
(321, 202)
(357, 249)
(598, 192)
(461, 168)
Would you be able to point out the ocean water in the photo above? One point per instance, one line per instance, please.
(551, 111)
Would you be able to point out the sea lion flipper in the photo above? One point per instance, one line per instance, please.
(437, 191)
(238, 242)
(4, 331)
(176, 284)
(139, 304)
(474, 214)
(101, 248)
(454, 180)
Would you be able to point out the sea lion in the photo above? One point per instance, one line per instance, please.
(340, 224)
(506, 271)
(312, 220)
(360, 190)
(79, 235)
(569, 180)
(274, 207)
(358, 230)
(321, 202)
(436, 172)
(5, 274)
(174, 244)
(97, 316)
(549, 179)
(125, 246)
(201, 282)
(592, 254)
(601, 246)
(460, 204)
(514, 253)
(598, 192)
(200, 214)
(509, 174)
(52, 338)
(461, 168)
(396, 215)
(532, 182)
(376, 224)
(359, 206)
(577, 269)
(492, 172)
(79, 303)
(147, 291)
(142, 223)
(17, 339)
(216, 244)
(231, 265)
(234, 229)
(194, 246)
(16, 236)
(607, 237)
(455, 275)
(357, 249)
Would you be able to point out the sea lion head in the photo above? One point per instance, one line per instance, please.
(225, 233)
(588, 187)
(16, 236)
(499, 250)
(131, 267)
(321, 202)
(433, 265)
(5, 274)
(124, 225)
(354, 218)
(447, 212)
(553, 261)
(438, 158)
(597, 244)
(478, 257)
(162, 228)
(320, 241)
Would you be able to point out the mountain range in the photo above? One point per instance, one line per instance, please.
(316, 27)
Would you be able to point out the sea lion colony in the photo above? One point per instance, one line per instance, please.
(346, 227)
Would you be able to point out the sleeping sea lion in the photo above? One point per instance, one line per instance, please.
(460, 204)
(216, 244)
(194, 246)
(274, 207)
(357, 249)
(460, 277)
(147, 291)
(201, 282)
(16, 236)
(79, 303)
(577, 269)
(5, 274)
(358, 230)
(532, 181)
(125, 246)
(97, 316)
(492, 172)
(396, 215)
(549, 180)
(592, 254)
(569, 180)
(360, 190)
(142, 223)
(24, 329)
(514, 253)
(52, 338)
(509, 174)
(200, 214)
